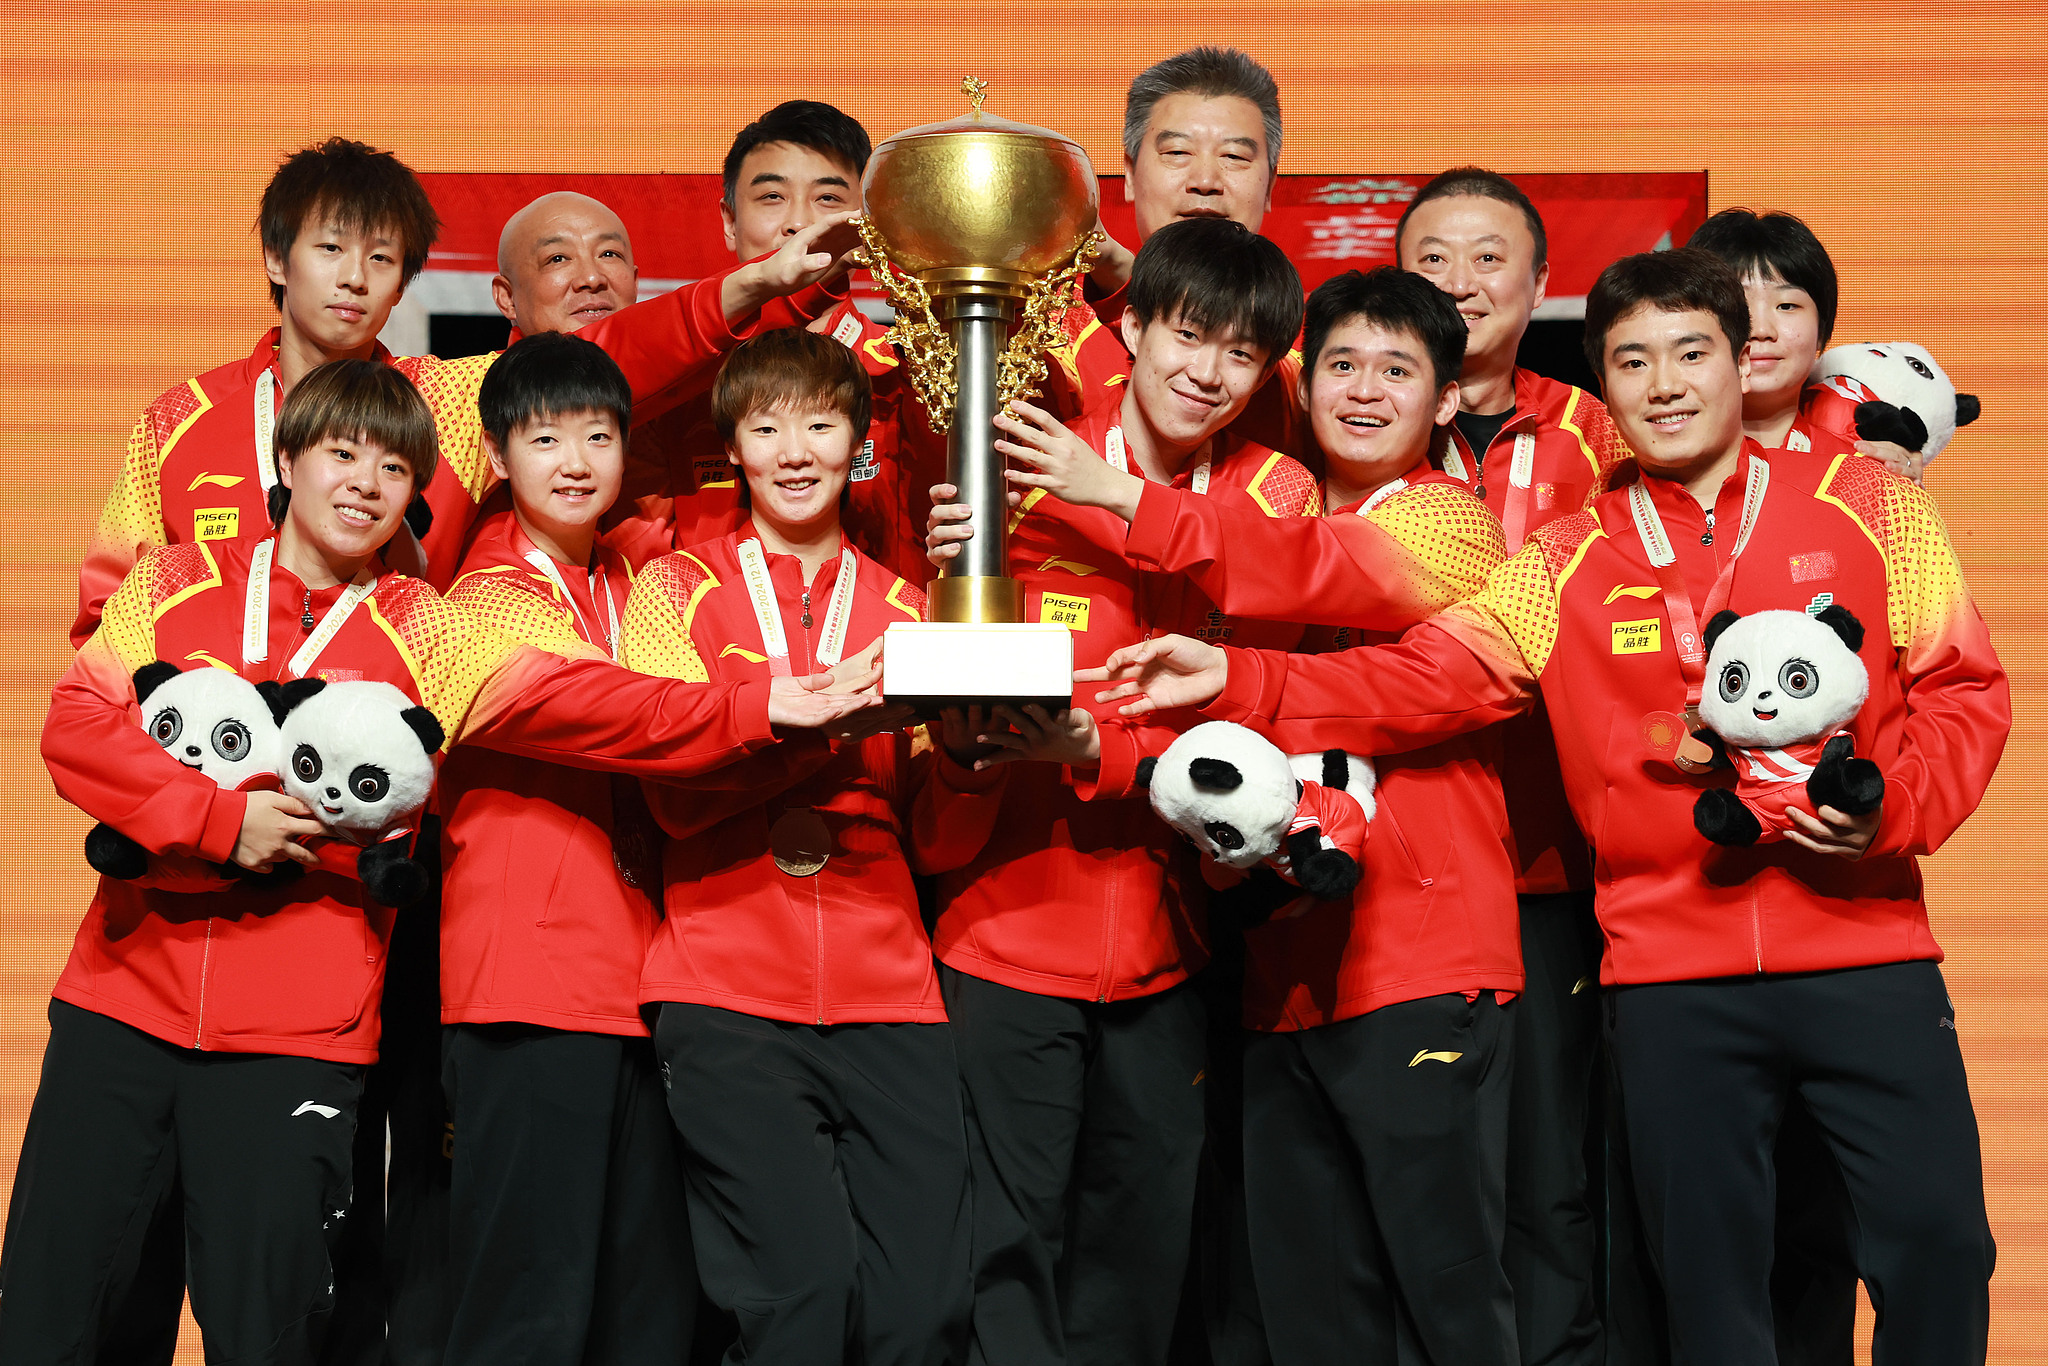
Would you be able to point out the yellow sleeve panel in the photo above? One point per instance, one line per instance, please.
(525, 606)
(1515, 615)
(1453, 541)
(450, 389)
(655, 636)
(1924, 579)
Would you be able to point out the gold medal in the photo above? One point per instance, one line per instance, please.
(800, 842)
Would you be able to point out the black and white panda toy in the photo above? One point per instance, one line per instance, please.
(1892, 391)
(1780, 688)
(1243, 803)
(205, 718)
(361, 756)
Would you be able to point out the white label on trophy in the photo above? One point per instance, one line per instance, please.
(865, 466)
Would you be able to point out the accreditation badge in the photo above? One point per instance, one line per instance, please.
(800, 842)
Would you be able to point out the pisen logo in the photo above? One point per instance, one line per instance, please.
(1643, 637)
(1066, 611)
(216, 524)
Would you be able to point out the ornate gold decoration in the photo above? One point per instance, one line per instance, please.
(976, 89)
(925, 345)
(1043, 323)
(928, 349)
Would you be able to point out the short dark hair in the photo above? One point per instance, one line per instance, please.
(364, 189)
(1774, 244)
(1671, 282)
(547, 375)
(801, 123)
(1212, 73)
(1479, 183)
(356, 400)
(1217, 273)
(1393, 299)
(785, 367)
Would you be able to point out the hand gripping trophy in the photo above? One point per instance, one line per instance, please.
(978, 227)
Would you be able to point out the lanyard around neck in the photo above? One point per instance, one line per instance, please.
(1118, 457)
(600, 587)
(256, 613)
(1692, 649)
(266, 429)
(768, 614)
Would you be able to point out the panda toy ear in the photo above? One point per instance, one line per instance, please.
(423, 724)
(1723, 619)
(1336, 769)
(1146, 767)
(150, 677)
(283, 697)
(1968, 409)
(1843, 623)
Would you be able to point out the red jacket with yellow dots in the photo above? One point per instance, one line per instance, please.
(299, 969)
(1578, 614)
(1550, 458)
(1096, 900)
(843, 943)
(1435, 910)
(547, 872)
(681, 489)
(195, 472)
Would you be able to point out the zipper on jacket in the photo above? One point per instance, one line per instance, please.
(818, 920)
(1756, 930)
(205, 966)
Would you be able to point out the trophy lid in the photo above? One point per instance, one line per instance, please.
(980, 192)
(978, 120)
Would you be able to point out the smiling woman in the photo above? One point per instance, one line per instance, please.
(355, 444)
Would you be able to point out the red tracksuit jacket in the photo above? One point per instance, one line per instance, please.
(1579, 614)
(844, 943)
(681, 489)
(1096, 900)
(199, 464)
(1550, 458)
(539, 922)
(1435, 910)
(299, 969)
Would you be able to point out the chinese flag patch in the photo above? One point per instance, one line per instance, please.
(1814, 564)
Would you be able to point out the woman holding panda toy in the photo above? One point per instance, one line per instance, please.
(216, 1040)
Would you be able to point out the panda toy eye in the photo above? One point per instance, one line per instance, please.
(369, 783)
(231, 740)
(306, 764)
(167, 727)
(1734, 680)
(1799, 678)
(1919, 367)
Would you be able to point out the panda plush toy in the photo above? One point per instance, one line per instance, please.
(1890, 391)
(1780, 688)
(361, 756)
(1241, 801)
(208, 719)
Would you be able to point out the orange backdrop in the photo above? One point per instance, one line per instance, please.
(136, 137)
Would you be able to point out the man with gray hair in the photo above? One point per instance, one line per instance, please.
(1201, 140)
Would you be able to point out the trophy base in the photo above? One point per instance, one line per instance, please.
(933, 665)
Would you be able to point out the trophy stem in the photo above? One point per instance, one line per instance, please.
(977, 587)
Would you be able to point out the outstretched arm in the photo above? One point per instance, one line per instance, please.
(1467, 667)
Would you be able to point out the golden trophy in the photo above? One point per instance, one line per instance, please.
(978, 227)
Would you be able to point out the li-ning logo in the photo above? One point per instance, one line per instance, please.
(314, 1107)
(1426, 1056)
